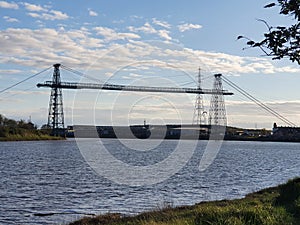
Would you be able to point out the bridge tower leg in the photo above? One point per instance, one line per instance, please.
(217, 112)
(199, 113)
(56, 113)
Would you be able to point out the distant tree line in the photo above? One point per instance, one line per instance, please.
(10, 127)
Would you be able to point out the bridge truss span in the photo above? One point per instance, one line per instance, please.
(56, 85)
(117, 87)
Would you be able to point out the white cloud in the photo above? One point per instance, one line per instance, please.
(70, 47)
(147, 28)
(47, 15)
(34, 15)
(239, 113)
(110, 34)
(33, 7)
(164, 34)
(188, 26)
(8, 5)
(92, 13)
(135, 75)
(136, 17)
(10, 19)
(79, 49)
(11, 71)
(58, 15)
(161, 23)
(287, 69)
(27, 92)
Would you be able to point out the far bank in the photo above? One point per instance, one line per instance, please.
(185, 131)
(12, 130)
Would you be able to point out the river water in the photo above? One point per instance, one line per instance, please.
(49, 182)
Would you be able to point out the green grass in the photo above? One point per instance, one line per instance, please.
(273, 206)
(29, 137)
(12, 130)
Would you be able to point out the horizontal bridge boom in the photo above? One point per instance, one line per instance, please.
(116, 87)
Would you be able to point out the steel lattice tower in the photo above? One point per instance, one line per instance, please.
(217, 112)
(56, 113)
(198, 117)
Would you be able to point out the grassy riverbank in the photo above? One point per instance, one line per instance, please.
(273, 206)
(30, 137)
(12, 130)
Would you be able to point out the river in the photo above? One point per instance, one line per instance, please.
(50, 182)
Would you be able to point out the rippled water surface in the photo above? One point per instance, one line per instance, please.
(48, 182)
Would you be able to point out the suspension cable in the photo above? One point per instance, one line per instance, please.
(22, 81)
(258, 102)
(80, 74)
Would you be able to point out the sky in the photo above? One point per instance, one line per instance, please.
(150, 43)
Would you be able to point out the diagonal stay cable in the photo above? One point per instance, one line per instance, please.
(80, 74)
(258, 102)
(262, 105)
(22, 81)
(23, 90)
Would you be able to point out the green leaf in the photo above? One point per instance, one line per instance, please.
(250, 43)
(270, 5)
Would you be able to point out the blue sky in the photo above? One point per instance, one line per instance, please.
(141, 43)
